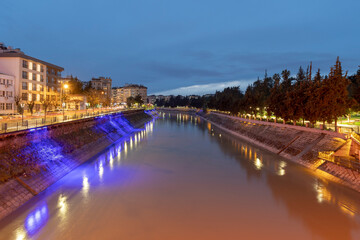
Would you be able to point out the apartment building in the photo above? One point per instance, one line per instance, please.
(7, 101)
(121, 94)
(117, 94)
(103, 84)
(34, 79)
(151, 99)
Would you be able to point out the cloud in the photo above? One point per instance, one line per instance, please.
(202, 89)
(169, 70)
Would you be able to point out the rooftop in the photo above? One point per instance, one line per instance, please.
(11, 52)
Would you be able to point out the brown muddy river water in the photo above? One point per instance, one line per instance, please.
(182, 178)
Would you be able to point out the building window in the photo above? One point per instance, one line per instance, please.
(9, 106)
(34, 66)
(24, 96)
(41, 88)
(34, 87)
(25, 64)
(24, 75)
(41, 68)
(48, 98)
(2, 106)
(41, 97)
(33, 97)
(34, 76)
(41, 78)
(24, 86)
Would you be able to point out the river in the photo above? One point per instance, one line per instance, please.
(181, 178)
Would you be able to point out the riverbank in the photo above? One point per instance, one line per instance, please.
(34, 160)
(297, 144)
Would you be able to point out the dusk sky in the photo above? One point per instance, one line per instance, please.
(184, 47)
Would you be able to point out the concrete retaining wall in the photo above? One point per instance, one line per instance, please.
(59, 149)
(295, 143)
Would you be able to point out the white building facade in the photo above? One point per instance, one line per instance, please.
(7, 93)
(33, 79)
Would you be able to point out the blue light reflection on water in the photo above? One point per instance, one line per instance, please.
(36, 219)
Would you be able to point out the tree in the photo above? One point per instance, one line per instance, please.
(283, 105)
(138, 100)
(75, 85)
(92, 97)
(19, 107)
(336, 101)
(274, 100)
(46, 103)
(31, 105)
(130, 101)
(313, 109)
(55, 103)
(354, 89)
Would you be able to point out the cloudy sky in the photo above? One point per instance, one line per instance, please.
(184, 46)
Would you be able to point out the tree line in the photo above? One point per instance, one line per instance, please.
(306, 96)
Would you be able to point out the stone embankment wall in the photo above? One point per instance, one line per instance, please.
(31, 161)
(178, 110)
(298, 144)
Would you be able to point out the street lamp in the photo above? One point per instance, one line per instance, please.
(22, 112)
(64, 86)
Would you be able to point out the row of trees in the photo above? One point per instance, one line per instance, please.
(182, 101)
(307, 96)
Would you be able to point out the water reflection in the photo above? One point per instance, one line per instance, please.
(325, 208)
(36, 219)
(231, 185)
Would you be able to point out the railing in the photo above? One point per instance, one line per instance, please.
(17, 125)
(327, 155)
(355, 136)
(343, 161)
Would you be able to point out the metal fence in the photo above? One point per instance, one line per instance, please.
(343, 161)
(26, 123)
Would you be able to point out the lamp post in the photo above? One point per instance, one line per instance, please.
(22, 112)
(64, 87)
